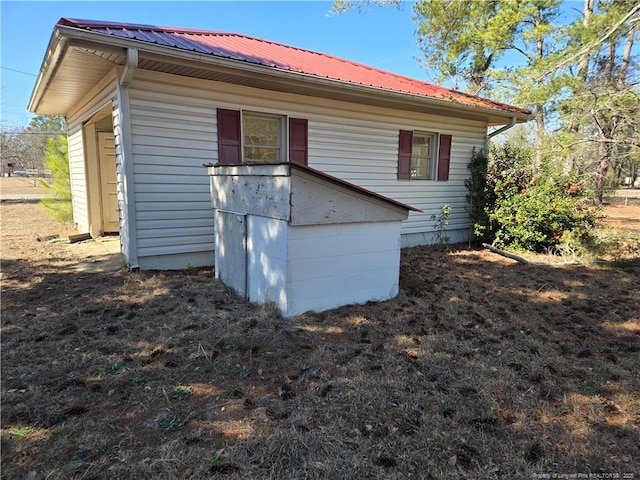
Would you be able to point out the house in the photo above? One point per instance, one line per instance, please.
(148, 106)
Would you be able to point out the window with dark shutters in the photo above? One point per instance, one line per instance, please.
(230, 138)
(229, 144)
(404, 154)
(412, 165)
(444, 157)
(298, 139)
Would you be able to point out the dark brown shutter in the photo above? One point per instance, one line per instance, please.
(444, 157)
(298, 140)
(404, 154)
(229, 145)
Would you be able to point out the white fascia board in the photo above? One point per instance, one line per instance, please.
(50, 62)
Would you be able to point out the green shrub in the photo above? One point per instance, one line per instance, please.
(478, 196)
(513, 206)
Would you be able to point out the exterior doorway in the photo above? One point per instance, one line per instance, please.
(108, 182)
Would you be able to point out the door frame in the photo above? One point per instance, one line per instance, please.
(104, 191)
(100, 122)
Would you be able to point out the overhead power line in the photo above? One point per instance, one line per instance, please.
(18, 71)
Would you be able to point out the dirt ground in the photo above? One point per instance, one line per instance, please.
(481, 368)
(20, 185)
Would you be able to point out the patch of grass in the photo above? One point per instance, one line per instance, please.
(586, 389)
(216, 458)
(139, 380)
(16, 376)
(242, 372)
(181, 392)
(60, 435)
(286, 465)
(203, 362)
(115, 367)
(23, 431)
(237, 392)
(235, 343)
(203, 358)
(170, 423)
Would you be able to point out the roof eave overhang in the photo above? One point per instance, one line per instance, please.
(51, 61)
(274, 78)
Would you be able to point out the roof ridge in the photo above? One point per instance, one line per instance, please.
(83, 23)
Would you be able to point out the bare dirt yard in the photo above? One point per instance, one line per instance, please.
(20, 185)
(482, 368)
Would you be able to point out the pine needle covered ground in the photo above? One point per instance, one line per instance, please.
(481, 368)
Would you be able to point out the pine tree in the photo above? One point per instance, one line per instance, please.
(57, 161)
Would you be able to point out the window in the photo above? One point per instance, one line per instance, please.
(256, 137)
(423, 156)
(262, 138)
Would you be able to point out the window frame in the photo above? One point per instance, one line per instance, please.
(282, 135)
(432, 165)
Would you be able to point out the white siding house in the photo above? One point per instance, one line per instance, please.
(161, 102)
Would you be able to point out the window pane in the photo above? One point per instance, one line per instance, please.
(261, 125)
(261, 138)
(261, 154)
(422, 156)
(418, 167)
(421, 146)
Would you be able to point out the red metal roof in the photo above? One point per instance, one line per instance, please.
(263, 52)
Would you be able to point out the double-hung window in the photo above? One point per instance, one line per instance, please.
(262, 137)
(423, 155)
(253, 137)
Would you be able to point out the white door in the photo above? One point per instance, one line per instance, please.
(108, 187)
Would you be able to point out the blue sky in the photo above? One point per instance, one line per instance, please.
(383, 38)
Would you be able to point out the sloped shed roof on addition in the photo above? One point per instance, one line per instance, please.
(252, 50)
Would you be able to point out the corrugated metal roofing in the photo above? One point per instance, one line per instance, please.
(266, 53)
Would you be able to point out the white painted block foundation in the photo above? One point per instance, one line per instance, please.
(311, 243)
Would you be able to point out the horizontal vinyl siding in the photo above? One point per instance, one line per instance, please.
(77, 175)
(174, 122)
(344, 155)
(172, 137)
(103, 94)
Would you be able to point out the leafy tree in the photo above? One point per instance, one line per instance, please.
(57, 160)
(604, 102)
(465, 40)
(24, 147)
(52, 124)
(578, 75)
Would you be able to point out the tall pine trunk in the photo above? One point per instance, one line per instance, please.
(583, 72)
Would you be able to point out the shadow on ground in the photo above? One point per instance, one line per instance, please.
(480, 368)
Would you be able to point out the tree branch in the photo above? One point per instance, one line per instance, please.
(595, 44)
